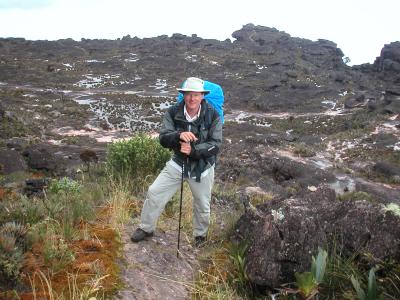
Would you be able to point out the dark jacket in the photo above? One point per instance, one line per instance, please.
(207, 128)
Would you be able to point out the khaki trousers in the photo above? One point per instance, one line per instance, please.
(162, 190)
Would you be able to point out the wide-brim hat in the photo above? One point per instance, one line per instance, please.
(193, 84)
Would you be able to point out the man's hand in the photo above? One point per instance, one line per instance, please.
(186, 148)
(187, 137)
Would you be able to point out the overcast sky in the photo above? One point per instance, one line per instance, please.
(359, 27)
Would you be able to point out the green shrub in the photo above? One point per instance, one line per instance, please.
(65, 185)
(137, 157)
(22, 210)
(356, 196)
(12, 242)
(237, 255)
(303, 150)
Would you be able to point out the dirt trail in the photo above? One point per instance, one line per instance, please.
(151, 269)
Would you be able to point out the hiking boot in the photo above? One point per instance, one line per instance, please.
(140, 235)
(199, 241)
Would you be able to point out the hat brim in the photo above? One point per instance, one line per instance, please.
(192, 90)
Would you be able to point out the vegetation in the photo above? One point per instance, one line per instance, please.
(65, 243)
(136, 158)
(356, 196)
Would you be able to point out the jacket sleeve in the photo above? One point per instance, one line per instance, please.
(169, 136)
(211, 146)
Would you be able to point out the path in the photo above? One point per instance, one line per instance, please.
(151, 269)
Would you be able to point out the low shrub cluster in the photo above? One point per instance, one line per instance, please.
(136, 158)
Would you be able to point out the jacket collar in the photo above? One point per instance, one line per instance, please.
(181, 116)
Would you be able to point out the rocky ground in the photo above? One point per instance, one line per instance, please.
(297, 118)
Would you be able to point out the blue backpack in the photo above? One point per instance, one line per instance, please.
(215, 97)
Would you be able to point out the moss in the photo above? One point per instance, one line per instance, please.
(393, 208)
(13, 128)
(303, 150)
(355, 196)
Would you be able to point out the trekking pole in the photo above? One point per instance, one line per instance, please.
(180, 209)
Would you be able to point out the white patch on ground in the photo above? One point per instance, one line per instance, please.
(37, 116)
(3, 83)
(343, 94)
(133, 58)
(85, 101)
(55, 142)
(396, 147)
(29, 95)
(101, 136)
(191, 58)
(92, 81)
(261, 67)
(160, 84)
(68, 67)
(388, 128)
(95, 61)
(163, 105)
(214, 63)
(343, 184)
(330, 103)
(122, 116)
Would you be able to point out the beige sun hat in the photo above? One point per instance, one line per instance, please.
(193, 84)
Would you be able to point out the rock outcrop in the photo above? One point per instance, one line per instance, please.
(284, 234)
(11, 161)
(260, 70)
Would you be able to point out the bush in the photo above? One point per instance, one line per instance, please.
(65, 185)
(12, 242)
(137, 157)
(303, 150)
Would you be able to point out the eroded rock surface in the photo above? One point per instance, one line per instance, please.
(284, 233)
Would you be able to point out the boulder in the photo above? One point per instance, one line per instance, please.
(2, 111)
(386, 168)
(11, 161)
(287, 171)
(40, 157)
(283, 234)
(35, 187)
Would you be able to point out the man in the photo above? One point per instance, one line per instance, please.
(193, 130)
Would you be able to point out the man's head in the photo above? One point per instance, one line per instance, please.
(193, 92)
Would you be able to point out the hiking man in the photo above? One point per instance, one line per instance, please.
(193, 130)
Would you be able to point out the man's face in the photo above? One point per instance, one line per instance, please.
(192, 100)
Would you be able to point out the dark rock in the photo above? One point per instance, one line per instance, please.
(2, 111)
(12, 161)
(35, 187)
(40, 157)
(381, 193)
(383, 140)
(286, 170)
(356, 101)
(283, 234)
(17, 143)
(386, 168)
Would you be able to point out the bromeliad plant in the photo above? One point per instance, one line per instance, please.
(308, 282)
(372, 290)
